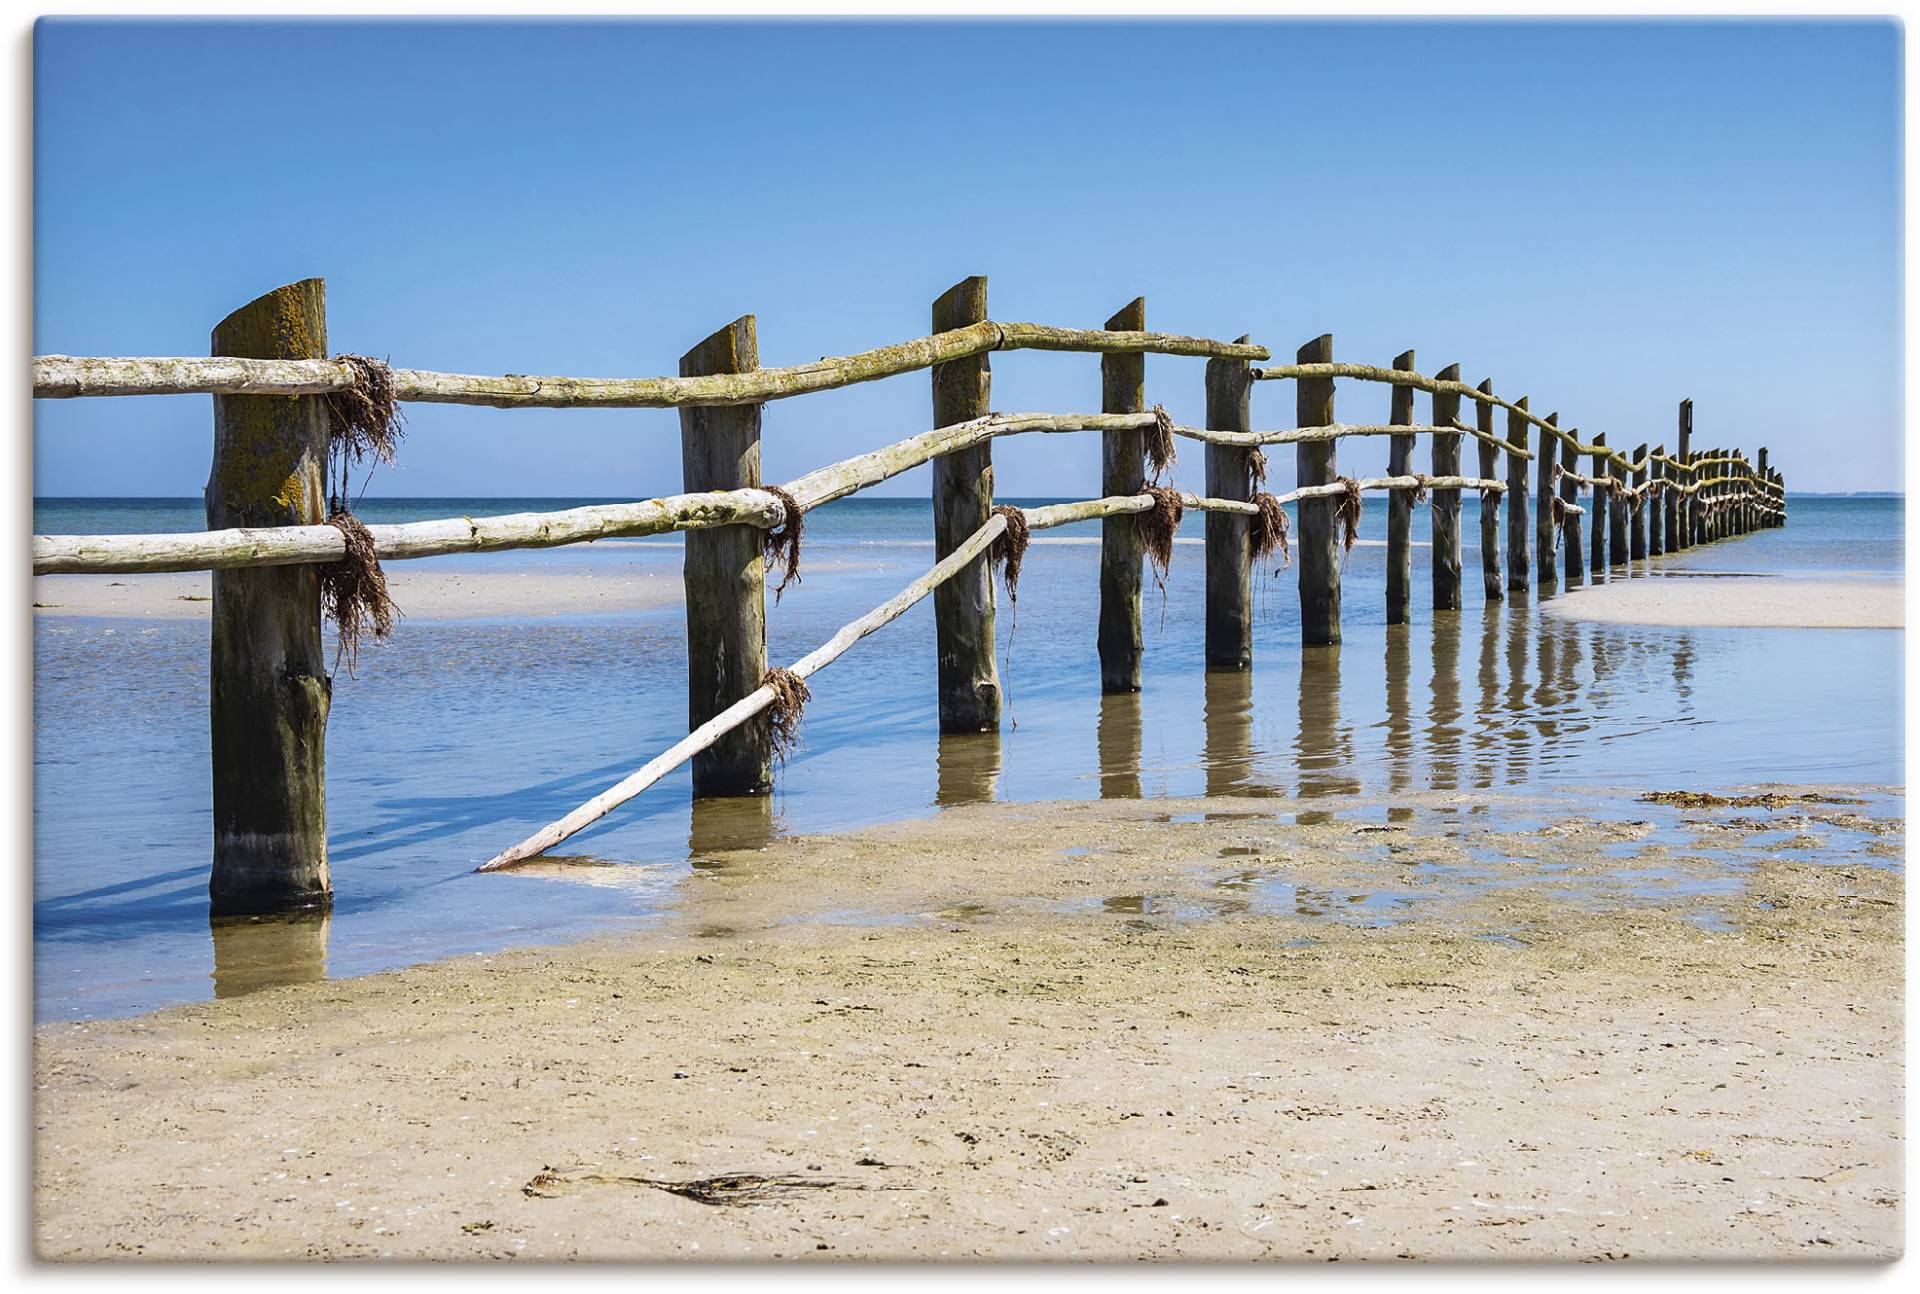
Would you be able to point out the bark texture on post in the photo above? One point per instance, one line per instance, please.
(724, 573)
(1123, 389)
(1617, 516)
(1316, 463)
(1637, 525)
(1518, 540)
(1546, 535)
(269, 690)
(1575, 559)
(962, 502)
(1229, 559)
(1597, 554)
(1489, 512)
(1445, 504)
(1400, 502)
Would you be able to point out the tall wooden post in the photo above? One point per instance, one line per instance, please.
(1656, 504)
(1597, 554)
(1637, 526)
(1680, 532)
(1123, 389)
(1570, 495)
(1517, 536)
(1763, 519)
(1445, 504)
(1317, 463)
(269, 689)
(724, 573)
(1546, 536)
(962, 502)
(1400, 502)
(1496, 589)
(1229, 560)
(1710, 520)
(1617, 510)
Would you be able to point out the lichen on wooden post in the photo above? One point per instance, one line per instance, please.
(1575, 559)
(1229, 634)
(1496, 589)
(1637, 525)
(1317, 463)
(1123, 389)
(1400, 502)
(1518, 558)
(1546, 535)
(969, 679)
(1445, 503)
(269, 689)
(725, 573)
(1597, 554)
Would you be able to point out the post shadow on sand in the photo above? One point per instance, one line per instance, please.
(1118, 741)
(254, 953)
(967, 768)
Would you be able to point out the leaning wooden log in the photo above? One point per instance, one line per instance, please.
(963, 555)
(57, 377)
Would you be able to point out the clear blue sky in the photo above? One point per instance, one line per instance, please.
(1606, 216)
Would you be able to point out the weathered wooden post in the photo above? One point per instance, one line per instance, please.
(1617, 547)
(1229, 559)
(268, 683)
(1400, 502)
(1317, 463)
(1570, 496)
(1445, 504)
(1517, 561)
(1123, 389)
(1763, 519)
(962, 502)
(1546, 537)
(1597, 554)
(1637, 533)
(1656, 503)
(1489, 512)
(1680, 533)
(724, 572)
(1710, 521)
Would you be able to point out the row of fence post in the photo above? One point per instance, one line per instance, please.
(270, 691)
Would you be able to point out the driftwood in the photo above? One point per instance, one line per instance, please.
(65, 376)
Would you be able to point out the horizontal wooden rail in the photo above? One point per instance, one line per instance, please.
(58, 377)
(1339, 431)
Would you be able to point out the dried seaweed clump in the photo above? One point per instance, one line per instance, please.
(1349, 513)
(1256, 469)
(363, 419)
(1267, 531)
(790, 697)
(1158, 525)
(353, 590)
(780, 545)
(1421, 483)
(1009, 548)
(1160, 444)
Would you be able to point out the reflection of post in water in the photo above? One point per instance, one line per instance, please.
(1487, 711)
(1228, 753)
(252, 953)
(728, 822)
(1399, 719)
(1519, 630)
(1443, 710)
(1118, 738)
(969, 767)
(1683, 672)
(1324, 751)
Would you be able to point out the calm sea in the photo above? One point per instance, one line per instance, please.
(459, 738)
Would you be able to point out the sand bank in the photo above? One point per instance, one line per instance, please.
(1146, 1029)
(1731, 600)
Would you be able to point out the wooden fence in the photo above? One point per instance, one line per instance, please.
(269, 539)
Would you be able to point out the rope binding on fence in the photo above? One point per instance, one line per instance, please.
(1267, 531)
(1348, 513)
(790, 697)
(1161, 449)
(353, 590)
(780, 545)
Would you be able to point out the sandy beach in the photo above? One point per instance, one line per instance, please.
(1737, 600)
(1007, 1032)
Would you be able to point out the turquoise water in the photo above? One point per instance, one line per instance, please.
(459, 738)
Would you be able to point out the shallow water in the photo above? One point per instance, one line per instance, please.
(459, 738)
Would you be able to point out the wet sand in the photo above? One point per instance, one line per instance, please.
(1701, 599)
(1150, 1029)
